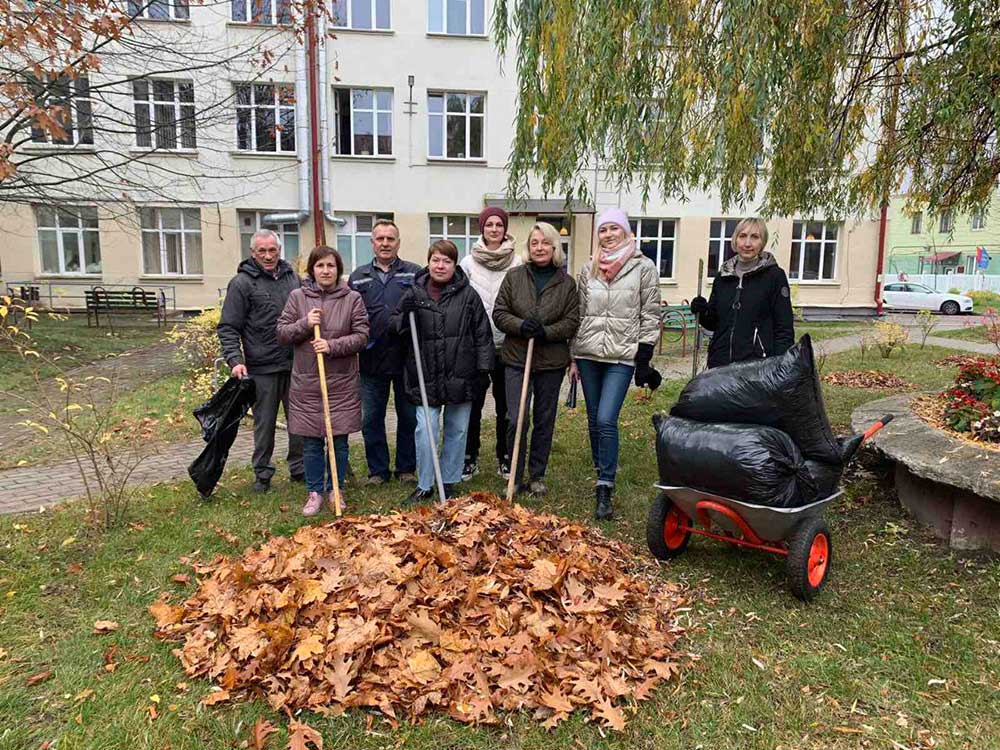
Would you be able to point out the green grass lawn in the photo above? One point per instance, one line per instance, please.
(827, 330)
(71, 343)
(968, 333)
(899, 651)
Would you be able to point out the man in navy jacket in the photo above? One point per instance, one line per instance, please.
(381, 285)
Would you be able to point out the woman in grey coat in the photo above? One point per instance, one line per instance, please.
(340, 314)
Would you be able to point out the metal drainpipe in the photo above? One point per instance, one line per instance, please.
(319, 222)
(880, 268)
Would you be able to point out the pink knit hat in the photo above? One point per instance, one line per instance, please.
(494, 211)
(613, 216)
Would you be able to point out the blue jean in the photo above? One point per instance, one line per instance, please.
(319, 478)
(374, 399)
(604, 388)
(456, 427)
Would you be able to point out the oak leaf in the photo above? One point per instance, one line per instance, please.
(165, 614)
(424, 667)
(309, 647)
(610, 715)
(105, 626)
(215, 697)
(262, 729)
(301, 736)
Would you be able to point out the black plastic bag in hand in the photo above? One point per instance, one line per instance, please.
(755, 464)
(699, 305)
(220, 422)
(782, 392)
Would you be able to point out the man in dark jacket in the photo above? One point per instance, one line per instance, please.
(750, 309)
(456, 354)
(381, 285)
(255, 297)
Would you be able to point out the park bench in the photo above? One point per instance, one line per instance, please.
(100, 300)
(677, 318)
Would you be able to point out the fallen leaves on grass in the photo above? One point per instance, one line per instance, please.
(467, 608)
(37, 678)
(262, 729)
(871, 380)
(105, 626)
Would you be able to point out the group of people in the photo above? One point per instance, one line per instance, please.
(479, 326)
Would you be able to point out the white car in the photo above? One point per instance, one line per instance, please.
(905, 295)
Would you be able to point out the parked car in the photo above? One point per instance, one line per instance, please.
(910, 296)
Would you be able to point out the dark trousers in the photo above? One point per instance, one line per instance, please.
(272, 390)
(319, 477)
(472, 442)
(374, 399)
(543, 391)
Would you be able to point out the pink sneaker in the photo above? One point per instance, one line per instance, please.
(333, 503)
(314, 504)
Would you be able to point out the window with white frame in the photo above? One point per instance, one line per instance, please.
(458, 17)
(917, 222)
(720, 247)
(462, 230)
(251, 221)
(455, 124)
(361, 14)
(74, 114)
(655, 239)
(171, 241)
(946, 221)
(364, 122)
(160, 10)
(164, 114)
(814, 251)
(354, 239)
(264, 12)
(978, 220)
(68, 239)
(265, 117)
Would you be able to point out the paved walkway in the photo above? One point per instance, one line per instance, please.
(21, 489)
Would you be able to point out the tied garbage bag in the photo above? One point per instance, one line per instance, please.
(825, 478)
(752, 463)
(219, 418)
(781, 392)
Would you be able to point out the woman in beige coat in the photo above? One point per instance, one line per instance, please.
(619, 325)
(340, 314)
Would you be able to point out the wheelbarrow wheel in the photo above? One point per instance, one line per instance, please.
(665, 533)
(810, 553)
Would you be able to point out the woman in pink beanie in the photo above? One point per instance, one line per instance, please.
(619, 325)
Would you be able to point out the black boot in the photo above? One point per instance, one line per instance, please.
(417, 497)
(450, 491)
(604, 511)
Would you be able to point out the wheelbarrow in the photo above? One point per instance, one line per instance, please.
(800, 535)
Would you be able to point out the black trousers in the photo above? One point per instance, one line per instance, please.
(472, 440)
(540, 408)
(272, 391)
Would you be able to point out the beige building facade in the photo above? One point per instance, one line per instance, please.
(416, 120)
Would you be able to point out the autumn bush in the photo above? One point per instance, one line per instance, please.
(888, 337)
(198, 344)
(972, 404)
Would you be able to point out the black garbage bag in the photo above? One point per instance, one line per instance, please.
(782, 392)
(825, 478)
(220, 422)
(747, 462)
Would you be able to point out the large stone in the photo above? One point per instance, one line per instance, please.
(951, 485)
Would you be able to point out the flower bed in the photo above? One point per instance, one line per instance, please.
(972, 405)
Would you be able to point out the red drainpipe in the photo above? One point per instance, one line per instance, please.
(881, 258)
(315, 172)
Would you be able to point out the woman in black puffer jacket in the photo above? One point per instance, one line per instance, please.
(456, 353)
(750, 308)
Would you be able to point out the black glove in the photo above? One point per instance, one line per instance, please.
(407, 305)
(643, 356)
(648, 377)
(532, 329)
(699, 306)
(484, 380)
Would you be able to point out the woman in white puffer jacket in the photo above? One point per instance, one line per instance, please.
(619, 326)
(492, 256)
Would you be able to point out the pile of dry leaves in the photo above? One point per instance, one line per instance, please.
(468, 608)
(871, 380)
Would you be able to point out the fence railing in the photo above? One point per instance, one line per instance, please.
(964, 282)
(72, 295)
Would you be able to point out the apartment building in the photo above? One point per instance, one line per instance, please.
(415, 122)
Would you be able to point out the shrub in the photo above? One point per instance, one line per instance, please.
(889, 337)
(973, 403)
(955, 290)
(926, 322)
(984, 298)
(991, 326)
(198, 343)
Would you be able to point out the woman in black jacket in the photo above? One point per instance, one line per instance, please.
(456, 353)
(750, 308)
